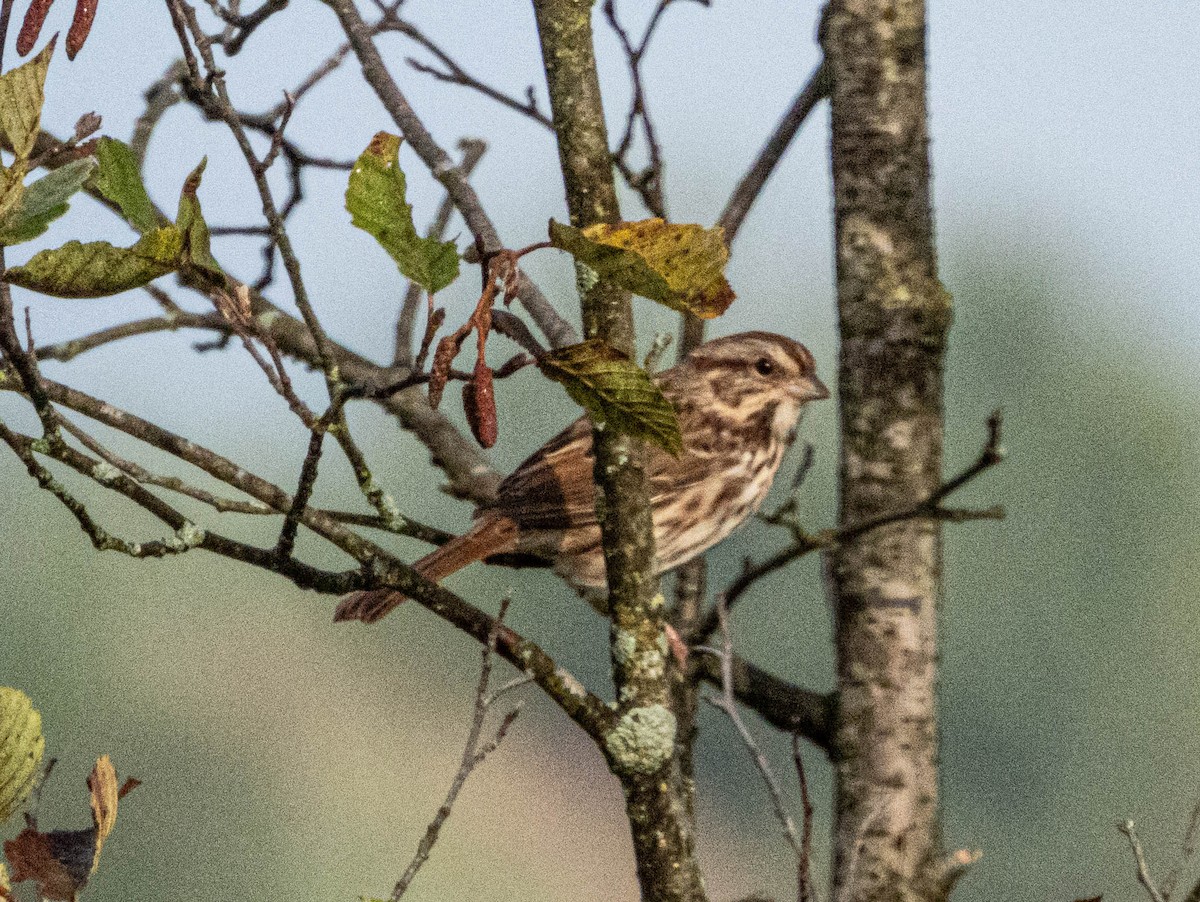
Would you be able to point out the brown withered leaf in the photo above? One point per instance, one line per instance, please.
(62, 861)
(681, 266)
(479, 404)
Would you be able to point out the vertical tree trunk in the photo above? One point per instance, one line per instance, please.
(894, 316)
(641, 749)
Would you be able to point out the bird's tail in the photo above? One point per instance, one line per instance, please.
(490, 534)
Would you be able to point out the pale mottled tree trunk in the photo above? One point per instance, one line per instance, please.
(894, 316)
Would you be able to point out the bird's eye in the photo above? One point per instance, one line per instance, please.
(764, 366)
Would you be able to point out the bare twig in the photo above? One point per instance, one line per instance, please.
(24, 361)
(727, 702)
(752, 183)
(1187, 849)
(473, 755)
(1139, 857)
(804, 542)
(457, 75)
(648, 183)
(174, 484)
(241, 27)
(160, 97)
(804, 880)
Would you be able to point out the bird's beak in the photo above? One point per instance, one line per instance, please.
(811, 389)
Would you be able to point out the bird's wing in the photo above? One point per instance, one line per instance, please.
(554, 487)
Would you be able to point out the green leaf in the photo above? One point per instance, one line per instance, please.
(615, 390)
(21, 749)
(190, 222)
(680, 266)
(21, 97)
(44, 201)
(98, 269)
(375, 199)
(119, 181)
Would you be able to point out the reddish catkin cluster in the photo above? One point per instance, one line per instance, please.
(35, 17)
(479, 397)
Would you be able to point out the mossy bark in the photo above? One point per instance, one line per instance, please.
(641, 746)
(894, 316)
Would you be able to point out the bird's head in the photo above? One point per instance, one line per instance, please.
(754, 376)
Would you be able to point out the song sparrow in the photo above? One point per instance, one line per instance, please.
(739, 400)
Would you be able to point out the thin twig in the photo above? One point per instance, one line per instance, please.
(752, 183)
(727, 702)
(1139, 856)
(648, 183)
(174, 484)
(804, 880)
(1187, 849)
(160, 97)
(804, 542)
(473, 755)
(454, 73)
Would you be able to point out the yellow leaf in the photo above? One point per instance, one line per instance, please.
(21, 749)
(681, 266)
(21, 97)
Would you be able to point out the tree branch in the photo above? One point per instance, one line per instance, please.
(641, 750)
(781, 704)
(755, 179)
(557, 330)
(378, 568)
(473, 755)
(457, 75)
(804, 543)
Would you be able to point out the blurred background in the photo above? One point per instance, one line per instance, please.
(285, 757)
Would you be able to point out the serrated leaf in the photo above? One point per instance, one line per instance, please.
(44, 201)
(119, 181)
(680, 266)
(190, 222)
(21, 749)
(98, 269)
(615, 390)
(22, 93)
(375, 197)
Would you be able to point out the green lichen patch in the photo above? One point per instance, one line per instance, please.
(642, 741)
